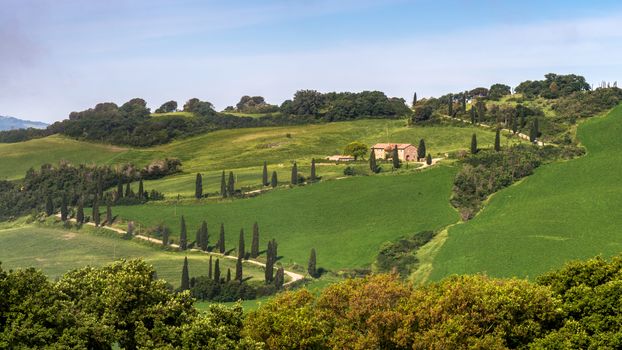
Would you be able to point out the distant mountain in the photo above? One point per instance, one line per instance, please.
(10, 123)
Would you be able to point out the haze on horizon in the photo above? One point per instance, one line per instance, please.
(67, 55)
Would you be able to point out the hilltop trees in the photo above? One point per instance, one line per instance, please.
(274, 181)
(264, 178)
(421, 151)
(183, 235)
(497, 91)
(198, 186)
(185, 276)
(474, 144)
(312, 266)
(255, 242)
(167, 107)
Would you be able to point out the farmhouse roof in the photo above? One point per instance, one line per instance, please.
(392, 145)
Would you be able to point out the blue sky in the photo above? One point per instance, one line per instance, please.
(57, 56)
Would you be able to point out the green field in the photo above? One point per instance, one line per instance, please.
(56, 251)
(345, 220)
(566, 210)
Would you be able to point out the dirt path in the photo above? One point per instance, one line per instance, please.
(295, 277)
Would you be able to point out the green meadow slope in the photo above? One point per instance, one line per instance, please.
(566, 210)
(345, 220)
(56, 251)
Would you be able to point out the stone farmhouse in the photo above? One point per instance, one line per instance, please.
(405, 151)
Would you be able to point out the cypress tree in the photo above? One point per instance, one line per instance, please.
(464, 104)
(238, 270)
(185, 276)
(241, 252)
(395, 158)
(279, 279)
(498, 141)
(198, 186)
(521, 113)
(294, 180)
(269, 264)
(313, 177)
(108, 215)
(312, 268)
(450, 105)
(96, 218)
(428, 159)
(514, 125)
(198, 238)
(223, 185)
(231, 185)
(421, 151)
(119, 188)
(204, 236)
(255, 242)
(183, 235)
(100, 186)
(473, 114)
(209, 272)
(141, 190)
(64, 211)
(274, 181)
(165, 235)
(372, 162)
(414, 99)
(228, 275)
(80, 213)
(221, 240)
(534, 132)
(217, 271)
(473, 144)
(49, 206)
(128, 189)
(264, 177)
(274, 250)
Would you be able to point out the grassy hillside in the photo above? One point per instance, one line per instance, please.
(57, 251)
(345, 220)
(17, 158)
(567, 210)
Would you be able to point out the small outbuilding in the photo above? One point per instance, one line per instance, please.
(405, 151)
(340, 158)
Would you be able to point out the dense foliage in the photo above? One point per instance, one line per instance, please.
(253, 105)
(553, 86)
(401, 256)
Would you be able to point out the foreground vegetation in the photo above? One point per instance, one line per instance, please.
(574, 307)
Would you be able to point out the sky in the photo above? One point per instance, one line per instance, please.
(59, 56)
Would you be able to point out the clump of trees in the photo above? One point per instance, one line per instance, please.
(253, 105)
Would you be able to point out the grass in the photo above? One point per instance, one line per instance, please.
(17, 158)
(173, 114)
(566, 210)
(56, 251)
(345, 220)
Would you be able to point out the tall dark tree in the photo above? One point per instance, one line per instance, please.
(294, 180)
(421, 151)
(80, 212)
(198, 186)
(100, 186)
(395, 158)
(428, 159)
(221, 239)
(450, 105)
(231, 185)
(313, 176)
(274, 181)
(119, 188)
(183, 235)
(217, 270)
(372, 162)
(414, 99)
(198, 238)
(238, 270)
(534, 132)
(514, 124)
(269, 271)
(165, 235)
(185, 276)
(128, 190)
(210, 270)
(141, 190)
(473, 114)
(279, 278)
(108, 215)
(204, 237)
(473, 144)
(255, 242)
(223, 185)
(264, 177)
(96, 218)
(228, 275)
(521, 114)
(241, 249)
(498, 141)
(464, 101)
(312, 267)
(64, 211)
(49, 206)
